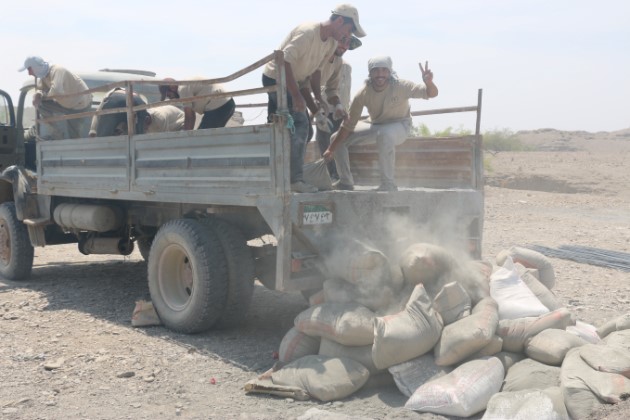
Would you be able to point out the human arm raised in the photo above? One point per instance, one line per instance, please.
(427, 78)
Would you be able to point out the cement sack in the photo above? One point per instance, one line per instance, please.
(585, 389)
(350, 324)
(341, 291)
(463, 392)
(606, 359)
(530, 374)
(617, 324)
(467, 336)
(425, 263)
(361, 354)
(296, 344)
(324, 378)
(531, 259)
(509, 358)
(407, 334)
(410, 375)
(586, 332)
(316, 173)
(144, 315)
(468, 276)
(516, 332)
(361, 264)
(514, 298)
(493, 348)
(526, 405)
(551, 346)
(316, 298)
(619, 340)
(544, 295)
(452, 302)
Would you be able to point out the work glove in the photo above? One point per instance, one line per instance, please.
(322, 122)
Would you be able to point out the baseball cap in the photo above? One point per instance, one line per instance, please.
(349, 11)
(33, 61)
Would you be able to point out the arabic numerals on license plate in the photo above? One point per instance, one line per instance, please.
(317, 215)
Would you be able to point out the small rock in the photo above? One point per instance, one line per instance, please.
(54, 364)
(128, 374)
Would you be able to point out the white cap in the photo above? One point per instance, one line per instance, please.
(33, 61)
(349, 11)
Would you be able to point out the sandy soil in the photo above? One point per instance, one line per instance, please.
(68, 349)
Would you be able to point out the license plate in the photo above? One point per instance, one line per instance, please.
(317, 214)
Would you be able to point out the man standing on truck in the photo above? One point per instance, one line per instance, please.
(387, 100)
(336, 80)
(55, 80)
(164, 118)
(216, 111)
(306, 49)
(116, 124)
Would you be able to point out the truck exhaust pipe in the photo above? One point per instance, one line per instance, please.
(90, 217)
(112, 246)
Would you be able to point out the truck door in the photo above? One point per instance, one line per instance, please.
(8, 132)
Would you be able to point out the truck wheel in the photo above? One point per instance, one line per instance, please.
(187, 276)
(16, 251)
(241, 273)
(144, 246)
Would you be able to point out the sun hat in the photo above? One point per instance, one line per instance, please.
(349, 11)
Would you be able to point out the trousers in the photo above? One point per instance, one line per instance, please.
(386, 135)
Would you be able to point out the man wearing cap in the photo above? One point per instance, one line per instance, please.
(387, 100)
(216, 111)
(54, 80)
(306, 49)
(336, 80)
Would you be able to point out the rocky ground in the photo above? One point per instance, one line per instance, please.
(68, 350)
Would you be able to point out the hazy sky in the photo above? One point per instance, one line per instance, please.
(561, 64)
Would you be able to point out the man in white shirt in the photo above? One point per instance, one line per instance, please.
(306, 49)
(387, 100)
(164, 118)
(52, 81)
(216, 111)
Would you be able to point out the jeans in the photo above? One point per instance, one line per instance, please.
(218, 117)
(299, 136)
(387, 136)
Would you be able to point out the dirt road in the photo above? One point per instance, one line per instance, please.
(67, 348)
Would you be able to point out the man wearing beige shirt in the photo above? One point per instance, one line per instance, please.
(54, 81)
(305, 49)
(387, 100)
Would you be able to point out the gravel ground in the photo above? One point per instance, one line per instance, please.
(68, 349)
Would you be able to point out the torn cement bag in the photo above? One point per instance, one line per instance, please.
(266, 386)
(407, 334)
(316, 173)
(463, 392)
(452, 302)
(531, 259)
(410, 375)
(551, 346)
(296, 344)
(350, 324)
(585, 389)
(617, 324)
(514, 298)
(325, 378)
(545, 404)
(425, 263)
(586, 332)
(516, 332)
(361, 354)
(606, 359)
(467, 336)
(144, 315)
(530, 374)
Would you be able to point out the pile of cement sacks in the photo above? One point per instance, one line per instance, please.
(458, 336)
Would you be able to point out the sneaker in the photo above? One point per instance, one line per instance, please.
(303, 187)
(338, 185)
(386, 188)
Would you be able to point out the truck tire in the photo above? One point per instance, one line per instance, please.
(188, 279)
(241, 273)
(16, 251)
(144, 246)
